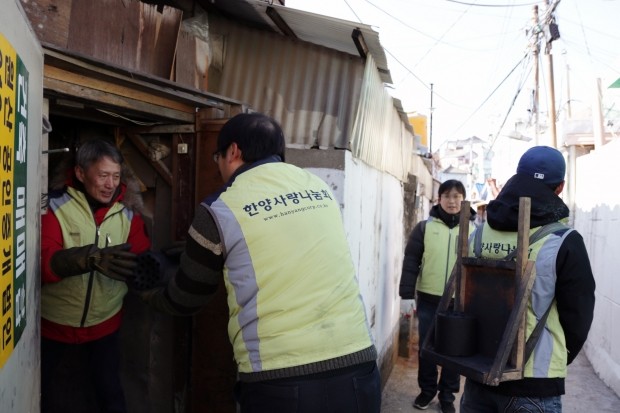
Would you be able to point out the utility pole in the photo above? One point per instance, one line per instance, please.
(430, 133)
(535, 51)
(568, 102)
(552, 120)
(597, 117)
(551, 33)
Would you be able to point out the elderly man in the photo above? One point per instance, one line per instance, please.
(89, 240)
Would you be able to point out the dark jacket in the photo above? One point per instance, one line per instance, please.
(414, 251)
(574, 289)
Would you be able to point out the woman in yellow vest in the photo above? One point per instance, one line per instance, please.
(430, 255)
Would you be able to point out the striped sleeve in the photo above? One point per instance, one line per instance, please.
(199, 272)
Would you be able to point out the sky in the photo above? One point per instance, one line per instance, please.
(476, 55)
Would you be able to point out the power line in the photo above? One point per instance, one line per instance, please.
(491, 5)
(422, 82)
(405, 24)
(512, 104)
(493, 92)
(441, 38)
(585, 39)
(407, 69)
(353, 11)
(437, 41)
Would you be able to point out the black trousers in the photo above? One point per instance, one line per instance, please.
(102, 364)
(355, 389)
(449, 382)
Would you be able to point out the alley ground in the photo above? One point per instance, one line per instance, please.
(585, 392)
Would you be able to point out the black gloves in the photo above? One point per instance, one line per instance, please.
(115, 262)
(154, 269)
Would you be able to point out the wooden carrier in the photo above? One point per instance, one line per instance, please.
(496, 294)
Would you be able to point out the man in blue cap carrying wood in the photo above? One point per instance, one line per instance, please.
(562, 297)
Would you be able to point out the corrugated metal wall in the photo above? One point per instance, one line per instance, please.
(336, 34)
(425, 179)
(322, 97)
(312, 91)
(380, 137)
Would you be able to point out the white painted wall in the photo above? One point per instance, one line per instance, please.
(19, 377)
(373, 218)
(597, 218)
(335, 179)
(372, 206)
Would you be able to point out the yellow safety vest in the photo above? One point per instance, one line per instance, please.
(292, 291)
(440, 248)
(91, 298)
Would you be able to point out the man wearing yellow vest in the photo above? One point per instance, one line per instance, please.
(89, 240)
(562, 297)
(297, 321)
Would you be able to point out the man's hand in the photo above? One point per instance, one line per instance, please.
(115, 262)
(174, 250)
(154, 269)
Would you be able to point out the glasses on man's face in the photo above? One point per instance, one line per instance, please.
(216, 156)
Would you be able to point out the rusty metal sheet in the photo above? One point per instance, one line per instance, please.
(126, 33)
(49, 20)
(158, 39)
(192, 62)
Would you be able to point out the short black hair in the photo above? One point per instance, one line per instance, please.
(452, 183)
(93, 150)
(257, 135)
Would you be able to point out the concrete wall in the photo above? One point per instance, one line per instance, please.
(19, 376)
(372, 207)
(373, 218)
(597, 212)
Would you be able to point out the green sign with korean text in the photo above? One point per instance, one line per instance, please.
(13, 173)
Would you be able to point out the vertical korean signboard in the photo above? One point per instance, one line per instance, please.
(13, 132)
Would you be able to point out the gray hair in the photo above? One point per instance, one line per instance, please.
(93, 150)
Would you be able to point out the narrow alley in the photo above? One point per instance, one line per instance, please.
(585, 391)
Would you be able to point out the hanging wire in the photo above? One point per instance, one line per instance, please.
(437, 42)
(407, 24)
(356, 16)
(512, 104)
(523, 59)
(137, 122)
(491, 5)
